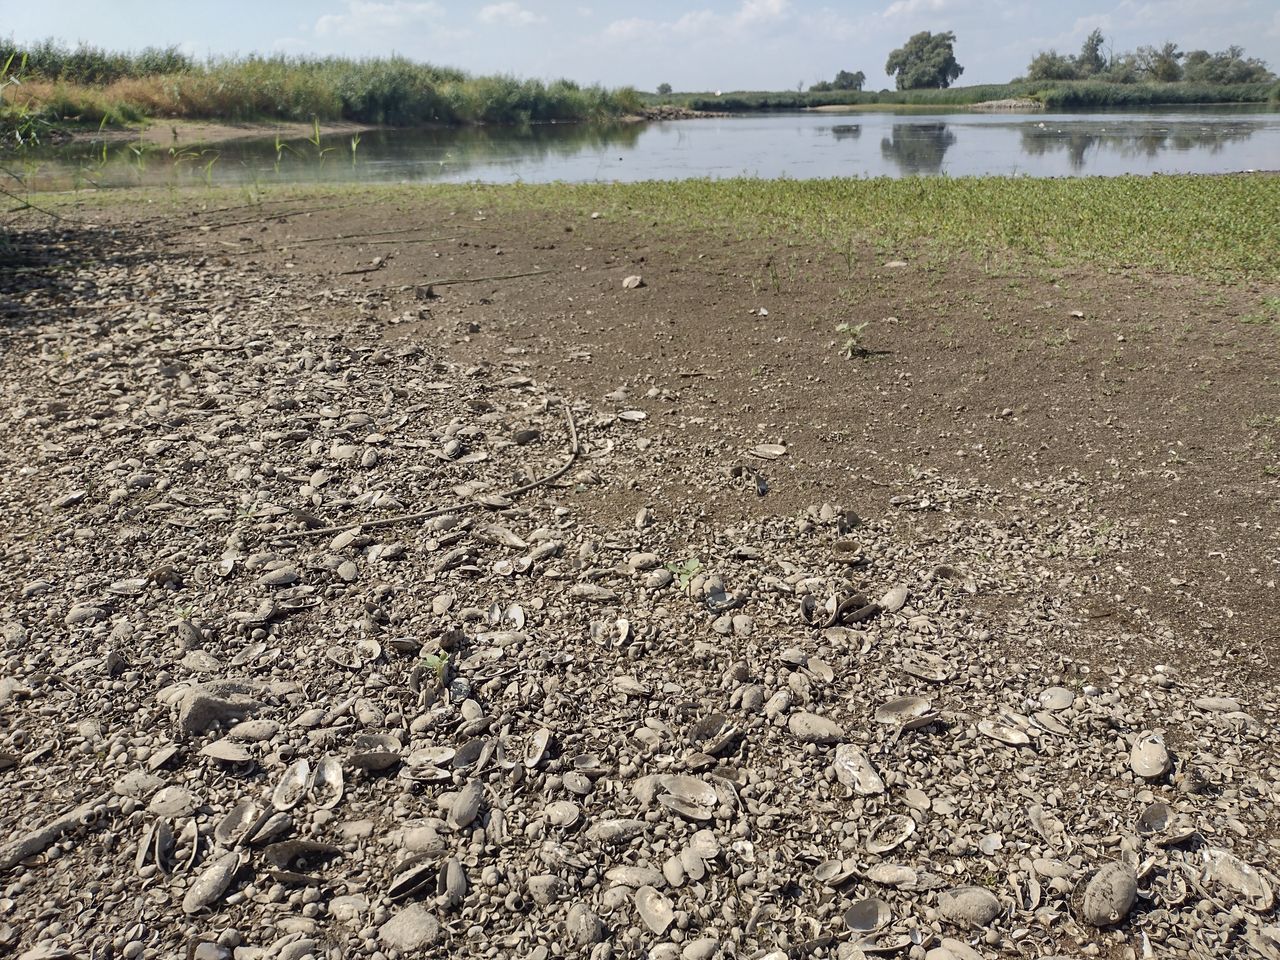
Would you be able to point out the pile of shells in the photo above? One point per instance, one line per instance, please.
(514, 726)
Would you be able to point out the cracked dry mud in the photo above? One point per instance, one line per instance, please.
(515, 727)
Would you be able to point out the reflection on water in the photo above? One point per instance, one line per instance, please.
(796, 145)
(376, 155)
(918, 148)
(1149, 139)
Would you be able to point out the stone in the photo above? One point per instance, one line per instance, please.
(412, 928)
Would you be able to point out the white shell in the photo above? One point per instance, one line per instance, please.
(853, 769)
(327, 783)
(226, 750)
(1004, 733)
(926, 666)
(1227, 870)
(1107, 895)
(293, 786)
(1056, 698)
(969, 906)
(655, 910)
(209, 887)
(234, 828)
(868, 916)
(174, 801)
(466, 805)
(835, 873)
(690, 789)
(812, 728)
(890, 833)
(1149, 757)
(903, 710)
(897, 875)
(562, 813)
(894, 600)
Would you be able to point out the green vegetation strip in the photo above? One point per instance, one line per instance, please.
(1054, 94)
(1217, 227)
(1202, 225)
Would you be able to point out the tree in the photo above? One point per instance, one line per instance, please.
(926, 60)
(1051, 65)
(1121, 68)
(1227, 66)
(1091, 60)
(844, 81)
(664, 89)
(849, 81)
(1161, 65)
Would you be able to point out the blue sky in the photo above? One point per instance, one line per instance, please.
(725, 44)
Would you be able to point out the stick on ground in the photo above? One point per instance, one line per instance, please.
(40, 840)
(461, 505)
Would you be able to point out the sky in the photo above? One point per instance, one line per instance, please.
(703, 45)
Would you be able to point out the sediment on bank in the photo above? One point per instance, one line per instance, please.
(322, 643)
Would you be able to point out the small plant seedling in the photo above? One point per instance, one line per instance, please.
(685, 570)
(439, 662)
(281, 147)
(208, 170)
(314, 140)
(853, 346)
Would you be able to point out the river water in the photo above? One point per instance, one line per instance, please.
(796, 145)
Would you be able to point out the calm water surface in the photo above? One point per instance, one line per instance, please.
(795, 145)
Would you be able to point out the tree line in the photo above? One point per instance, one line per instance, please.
(928, 61)
(1163, 64)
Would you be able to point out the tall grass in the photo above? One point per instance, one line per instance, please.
(1089, 93)
(87, 64)
(91, 85)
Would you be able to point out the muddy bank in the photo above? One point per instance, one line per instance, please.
(162, 132)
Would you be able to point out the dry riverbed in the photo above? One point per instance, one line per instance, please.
(544, 615)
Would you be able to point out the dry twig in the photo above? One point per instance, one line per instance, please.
(460, 505)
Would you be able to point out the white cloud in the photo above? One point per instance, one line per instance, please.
(695, 23)
(832, 25)
(371, 16)
(509, 13)
(761, 11)
(703, 23)
(1163, 11)
(632, 28)
(906, 8)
